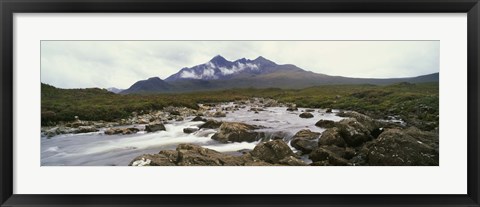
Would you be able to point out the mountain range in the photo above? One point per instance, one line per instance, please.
(219, 73)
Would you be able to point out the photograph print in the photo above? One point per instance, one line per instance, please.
(240, 103)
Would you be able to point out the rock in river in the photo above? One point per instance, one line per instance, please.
(190, 130)
(272, 151)
(325, 123)
(211, 124)
(155, 127)
(130, 130)
(305, 140)
(237, 132)
(199, 118)
(306, 115)
(331, 136)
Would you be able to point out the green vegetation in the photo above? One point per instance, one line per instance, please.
(418, 104)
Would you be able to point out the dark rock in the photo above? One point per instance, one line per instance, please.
(325, 123)
(272, 151)
(334, 155)
(249, 160)
(211, 124)
(306, 134)
(331, 136)
(199, 118)
(353, 132)
(306, 115)
(292, 161)
(155, 127)
(194, 155)
(376, 132)
(305, 146)
(305, 140)
(189, 130)
(153, 160)
(309, 110)
(396, 147)
(292, 108)
(365, 120)
(237, 132)
(328, 110)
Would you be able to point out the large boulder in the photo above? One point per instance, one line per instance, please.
(272, 151)
(306, 115)
(188, 155)
(353, 132)
(325, 123)
(332, 155)
(154, 160)
(237, 132)
(397, 147)
(194, 155)
(155, 127)
(331, 136)
(211, 124)
(305, 140)
(366, 121)
(291, 161)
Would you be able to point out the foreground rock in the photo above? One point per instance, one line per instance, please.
(331, 155)
(361, 140)
(272, 151)
(325, 123)
(353, 132)
(237, 132)
(410, 147)
(155, 127)
(305, 140)
(194, 155)
(331, 137)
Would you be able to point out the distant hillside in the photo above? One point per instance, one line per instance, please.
(219, 74)
(114, 90)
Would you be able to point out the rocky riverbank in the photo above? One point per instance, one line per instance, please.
(320, 137)
(353, 141)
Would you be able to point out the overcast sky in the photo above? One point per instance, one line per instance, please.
(84, 64)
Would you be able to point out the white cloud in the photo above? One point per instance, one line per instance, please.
(80, 64)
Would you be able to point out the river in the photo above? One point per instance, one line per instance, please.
(98, 149)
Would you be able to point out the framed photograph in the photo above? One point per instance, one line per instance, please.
(239, 103)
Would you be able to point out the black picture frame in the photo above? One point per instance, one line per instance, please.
(9, 7)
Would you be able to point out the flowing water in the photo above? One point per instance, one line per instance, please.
(96, 148)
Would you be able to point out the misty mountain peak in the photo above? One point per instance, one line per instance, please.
(219, 60)
(219, 68)
(264, 61)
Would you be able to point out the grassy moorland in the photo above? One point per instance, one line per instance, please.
(418, 104)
